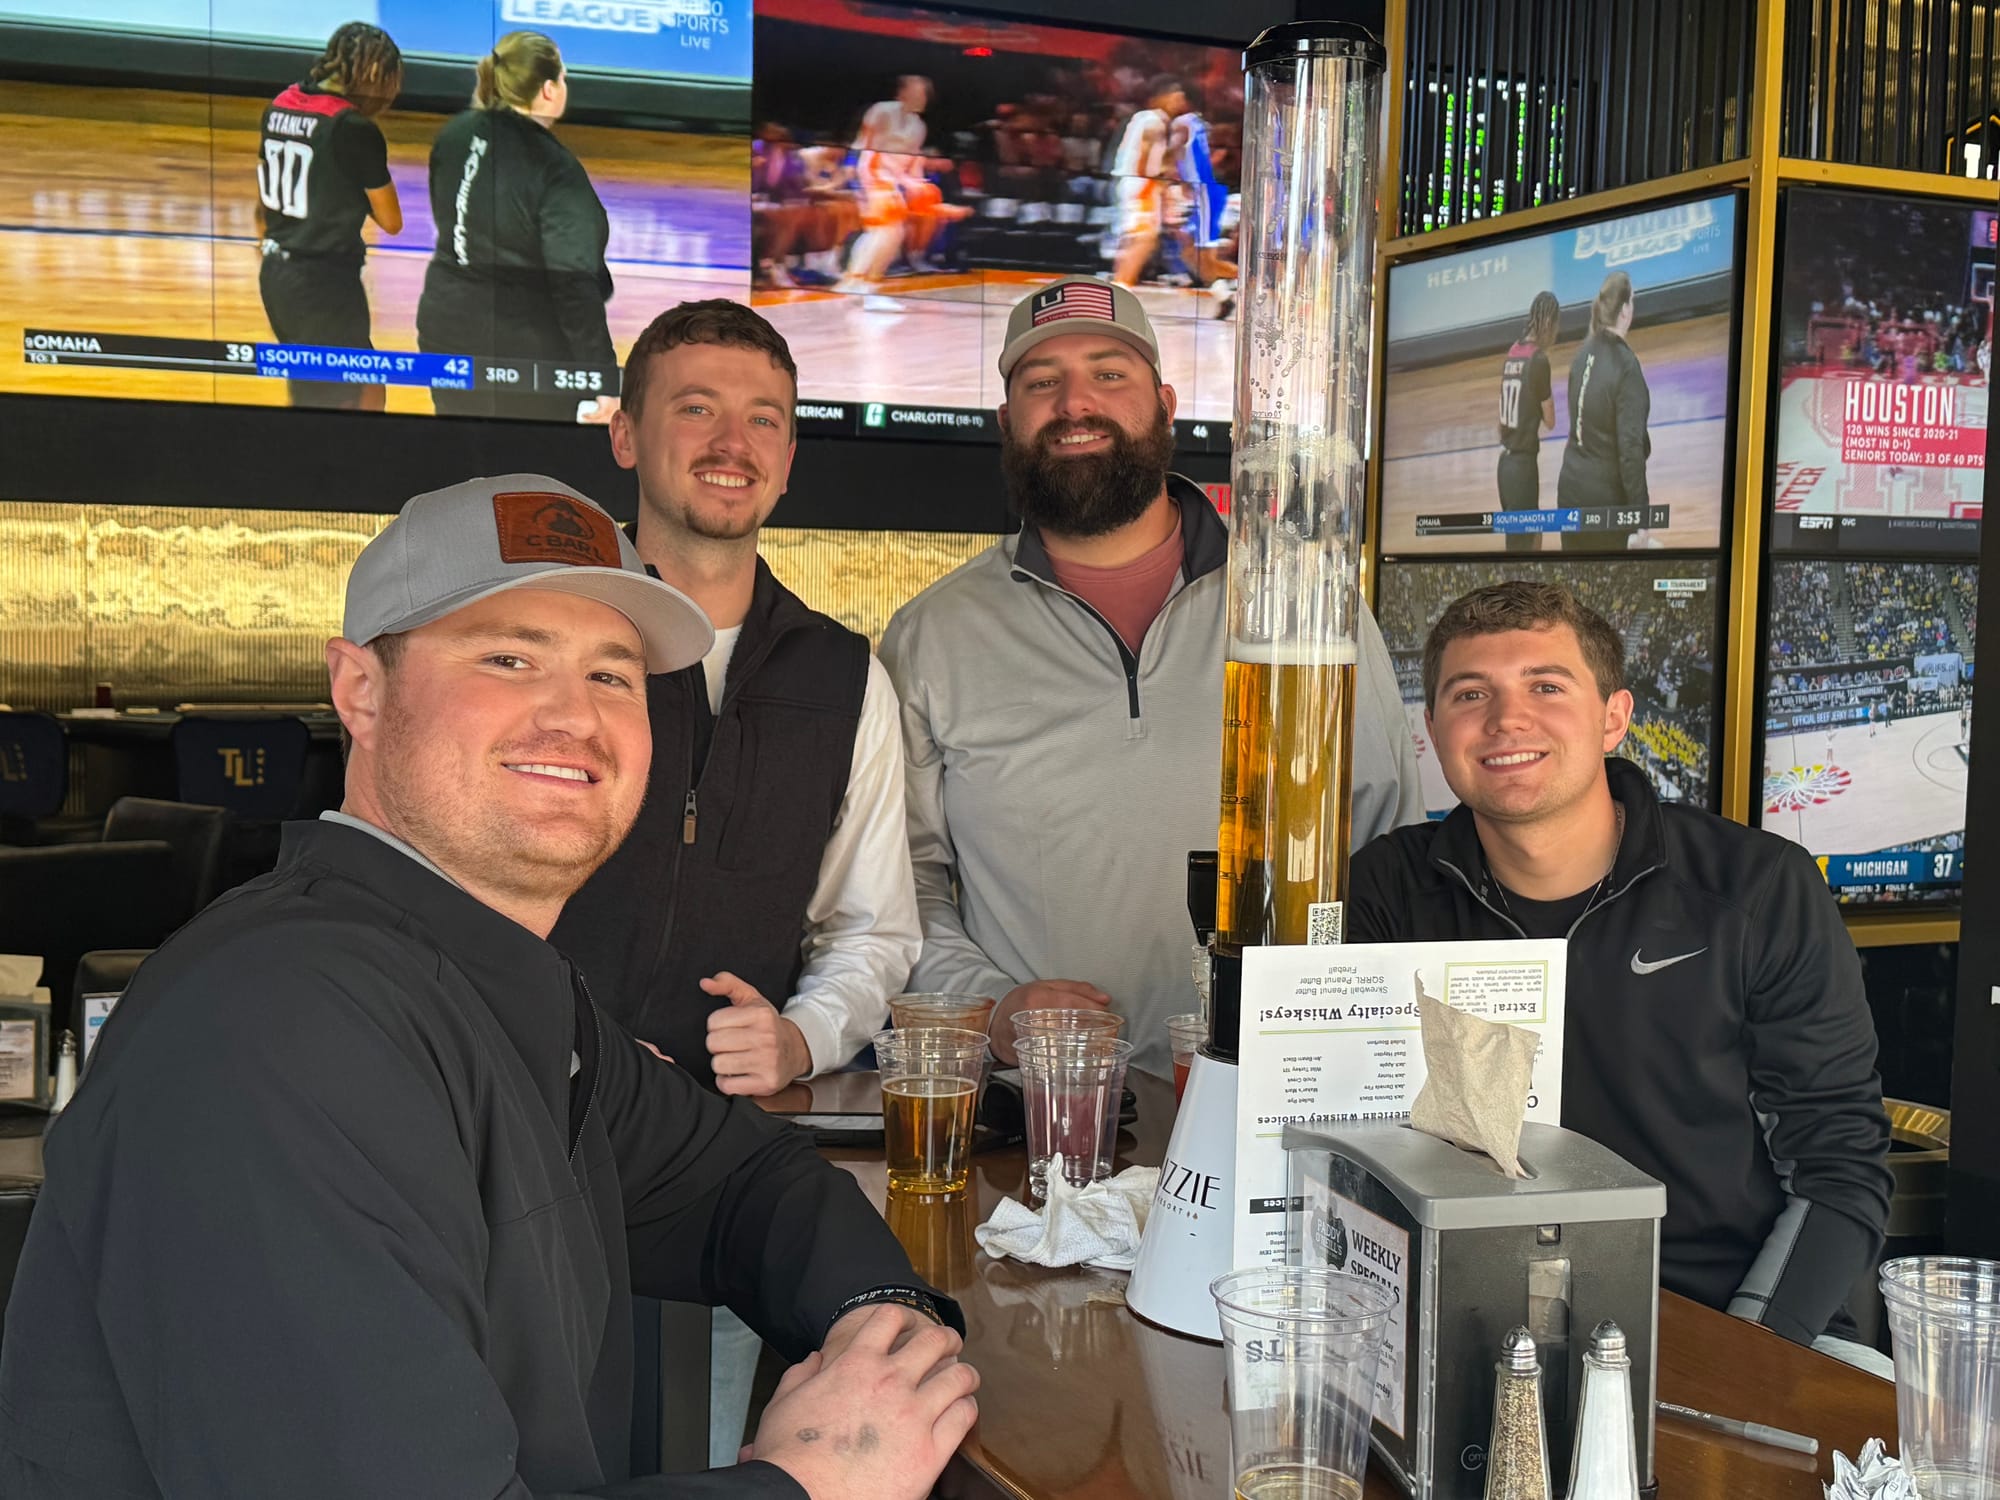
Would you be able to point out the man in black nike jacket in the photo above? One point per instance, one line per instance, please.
(354, 1197)
(1717, 1035)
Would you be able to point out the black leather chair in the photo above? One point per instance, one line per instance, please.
(34, 773)
(254, 767)
(102, 971)
(17, 1202)
(64, 900)
(196, 832)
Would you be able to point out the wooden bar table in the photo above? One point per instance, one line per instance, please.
(1082, 1400)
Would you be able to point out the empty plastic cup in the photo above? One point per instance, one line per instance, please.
(968, 1012)
(1071, 1086)
(1301, 1345)
(1944, 1318)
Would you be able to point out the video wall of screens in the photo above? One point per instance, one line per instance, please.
(1868, 720)
(1884, 361)
(1567, 391)
(183, 232)
(1665, 610)
(917, 172)
(1885, 340)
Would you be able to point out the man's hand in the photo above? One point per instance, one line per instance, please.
(755, 1050)
(1040, 994)
(875, 1415)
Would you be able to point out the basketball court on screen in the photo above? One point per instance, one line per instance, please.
(1850, 792)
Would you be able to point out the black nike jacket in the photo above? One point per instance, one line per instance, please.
(331, 1216)
(1717, 1037)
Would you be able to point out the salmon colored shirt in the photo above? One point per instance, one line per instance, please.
(1130, 595)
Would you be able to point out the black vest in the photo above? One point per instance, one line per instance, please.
(723, 860)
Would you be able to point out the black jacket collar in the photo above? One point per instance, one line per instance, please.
(523, 980)
(774, 609)
(1456, 849)
(1204, 537)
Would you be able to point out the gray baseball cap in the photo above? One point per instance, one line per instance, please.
(453, 547)
(1077, 304)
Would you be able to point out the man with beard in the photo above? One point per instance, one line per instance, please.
(761, 914)
(354, 1198)
(1062, 694)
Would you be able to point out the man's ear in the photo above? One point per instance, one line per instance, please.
(1169, 400)
(1617, 719)
(360, 689)
(624, 447)
(1000, 411)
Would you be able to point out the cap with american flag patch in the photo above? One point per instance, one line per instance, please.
(1077, 304)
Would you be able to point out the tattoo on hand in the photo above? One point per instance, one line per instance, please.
(868, 1441)
(808, 1434)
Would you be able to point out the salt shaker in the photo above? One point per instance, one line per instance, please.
(65, 1073)
(1517, 1454)
(1604, 1465)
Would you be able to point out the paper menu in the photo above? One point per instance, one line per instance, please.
(1330, 1033)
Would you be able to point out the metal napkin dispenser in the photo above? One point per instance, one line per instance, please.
(1470, 1254)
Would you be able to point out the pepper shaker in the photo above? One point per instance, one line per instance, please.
(1517, 1454)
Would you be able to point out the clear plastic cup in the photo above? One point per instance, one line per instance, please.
(968, 1012)
(1071, 1086)
(1302, 1344)
(1944, 1318)
(1185, 1035)
(930, 1085)
(1092, 1022)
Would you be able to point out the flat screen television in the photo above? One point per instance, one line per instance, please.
(1885, 351)
(1491, 355)
(1663, 608)
(918, 171)
(1867, 719)
(152, 198)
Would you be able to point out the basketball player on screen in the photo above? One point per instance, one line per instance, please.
(1527, 405)
(889, 171)
(323, 171)
(1604, 465)
(1144, 167)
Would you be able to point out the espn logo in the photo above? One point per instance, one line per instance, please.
(1815, 523)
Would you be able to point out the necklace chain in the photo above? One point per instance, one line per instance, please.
(1596, 892)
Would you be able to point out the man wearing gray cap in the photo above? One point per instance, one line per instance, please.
(1062, 694)
(356, 1193)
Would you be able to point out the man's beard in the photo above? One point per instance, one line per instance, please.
(1093, 496)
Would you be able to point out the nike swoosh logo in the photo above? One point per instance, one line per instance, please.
(1640, 966)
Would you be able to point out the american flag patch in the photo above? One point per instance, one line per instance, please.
(1073, 299)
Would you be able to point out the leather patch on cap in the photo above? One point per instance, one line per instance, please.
(540, 526)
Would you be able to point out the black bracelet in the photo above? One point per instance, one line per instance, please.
(906, 1296)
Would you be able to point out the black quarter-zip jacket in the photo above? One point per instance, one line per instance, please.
(330, 1216)
(1717, 1036)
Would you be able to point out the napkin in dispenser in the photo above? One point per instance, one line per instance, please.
(1480, 1073)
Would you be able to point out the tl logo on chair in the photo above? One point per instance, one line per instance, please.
(13, 763)
(242, 769)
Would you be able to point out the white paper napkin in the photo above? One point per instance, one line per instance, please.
(1098, 1225)
(1872, 1476)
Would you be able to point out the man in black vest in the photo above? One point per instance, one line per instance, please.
(761, 912)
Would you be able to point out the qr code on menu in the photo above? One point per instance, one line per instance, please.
(1324, 922)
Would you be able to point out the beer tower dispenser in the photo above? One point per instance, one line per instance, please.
(1312, 101)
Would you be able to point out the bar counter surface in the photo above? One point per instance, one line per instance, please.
(1082, 1400)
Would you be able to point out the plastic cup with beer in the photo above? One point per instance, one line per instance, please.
(969, 1012)
(1301, 1345)
(1185, 1034)
(930, 1082)
(1071, 1085)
